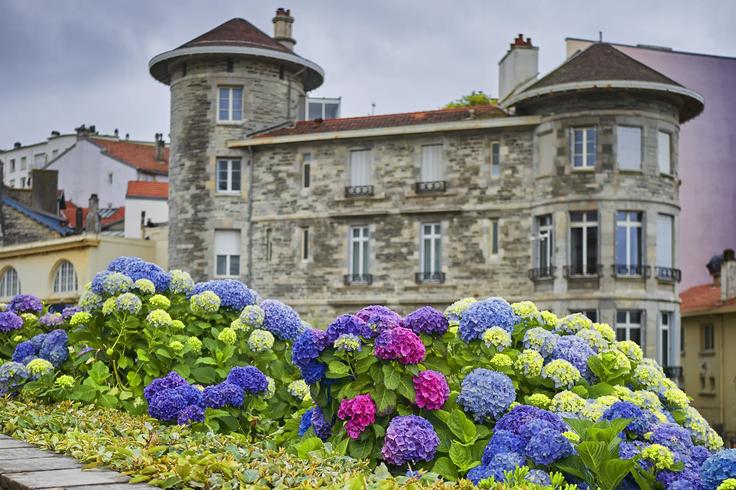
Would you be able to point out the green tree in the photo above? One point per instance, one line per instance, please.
(476, 97)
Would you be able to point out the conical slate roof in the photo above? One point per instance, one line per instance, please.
(236, 32)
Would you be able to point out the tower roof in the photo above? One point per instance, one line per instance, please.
(236, 32)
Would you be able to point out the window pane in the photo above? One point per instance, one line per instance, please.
(494, 237)
(620, 334)
(221, 265)
(222, 171)
(331, 111)
(592, 248)
(621, 245)
(437, 254)
(576, 248)
(628, 148)
(355, 262)
(620, 317)
(431, 163)
(305, 243)
(634, 246)
(224, 104)
(635, 335)
(664, 240)
(495, 160)
(235, 265)
(591, 147)
(237, 104)
(315, 110)
(360, 167)
(664, 152)
(427, 255)
(364, 255)
(235, 176)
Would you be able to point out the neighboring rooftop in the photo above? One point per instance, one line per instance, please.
(141, 156)
(53, 223)
(705, 298)
(108, 216)
(147, 190)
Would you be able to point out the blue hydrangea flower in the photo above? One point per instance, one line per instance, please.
(321, 426)
(574, 350)
(500, 464)
(25, 303)
(502, 441)
(427, 320)
(673, 437)
(137, 268)
(379, 318)
(159, 385)
(409, 439)
(629, 449)
(313, 372)
(281, 320)
(13, 375)
(482, 315)
(486, 394)
(540, 340)
(223, 395)
(190, 415)
(54, 347)
(539, 477)
(307, 348)
(547, 446)
(115, 283)
(24, 352)
(718, 467)
(37, 341)
(249, 378)
(521, 415)
(233, 294)
(68, 312)
(640, 423)
(9, 321)
(306, 422)
(348, 325)
(168, 404)
(50, 320)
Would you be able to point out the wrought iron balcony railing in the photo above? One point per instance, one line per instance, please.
(667, 274)
(541, 273)
(366, 279)
(358, 190)
(436, 277)
(627, 270)
(432, 186)
(580, 270)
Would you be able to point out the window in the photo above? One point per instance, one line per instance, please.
(22, 182)
(9, 283)
(227, 253)
(305, 243)
(306, 170)
(12, 164)
(665, 320)
(269, 245)
(546, 144)
(39, 160)
(230, 104)
(228, 175)
(65, 278)
(359, 242)
(543, 225)
(592, 315)
(628, 148)
(709, 337)
(323, 108)
(665, 248)
(495, 159)
(583, 149)
(664, 152)
(360, 168)
(431, 165)
(494, 237)
(628, 325)
(583, 242)
(109, 177)
(23, 163)
(431, 249)
(628, 243)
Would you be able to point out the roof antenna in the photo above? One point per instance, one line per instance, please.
(600, 36)
(373, 108)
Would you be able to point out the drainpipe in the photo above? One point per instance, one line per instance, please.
(288, 94)
(251, 163)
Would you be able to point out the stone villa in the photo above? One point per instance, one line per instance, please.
(566, 193)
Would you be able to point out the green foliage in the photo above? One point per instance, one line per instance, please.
(476, 97)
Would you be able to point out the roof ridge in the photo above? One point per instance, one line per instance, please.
(394, 114)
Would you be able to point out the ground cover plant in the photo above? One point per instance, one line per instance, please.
(495, 393)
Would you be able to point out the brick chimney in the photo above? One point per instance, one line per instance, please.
(93, 215)
(282, 24)
(160, 145)
(519, 65)
(728, 275)
(44, 189)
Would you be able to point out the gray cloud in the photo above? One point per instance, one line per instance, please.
(67, 62)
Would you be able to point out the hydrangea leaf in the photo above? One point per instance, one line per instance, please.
(391, 377)
(445, 468)
(463, 428)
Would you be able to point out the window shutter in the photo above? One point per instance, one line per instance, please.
(664, 240)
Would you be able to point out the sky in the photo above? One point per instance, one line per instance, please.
(68, 62)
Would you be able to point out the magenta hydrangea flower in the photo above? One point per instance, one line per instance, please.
(360, 412)
(400, 344)
(380, 318)
(432, 390)
(427, 320)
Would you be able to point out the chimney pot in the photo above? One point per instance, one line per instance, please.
(519, 65)
(17, 144)
(282, 28)
(117, 134)
(93, 215)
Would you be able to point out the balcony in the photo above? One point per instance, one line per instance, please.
(673, 372)
(430, 187)
(667, 274)
(364, 279)
(636, 271)
(429, 277)
(542, 273)
(582, 271)
(358, 191)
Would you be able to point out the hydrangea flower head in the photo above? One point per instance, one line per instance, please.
(501, 361)
(24, 352)
(530, 363)
(539, 400)
(108, 307)
(50, 320)
(728, 484)
(79, 318)
(190, 415)
(538, 477)
(675, 398)
(432, 390)
(594, 339)
(497, 468)
(195, 344)
(223, 395)
(176, 346)
(660, 457)
(128, 303)
(9, 321)
(673, 437)
(260, 340)
(360, 412)
(90, 301)
(252, 316)
(648, 376)
(631, 349)
(547, 446)
(379, 318)
(159, 301)
(69, 311)
(496, 337)
(641, 422)
(426, 320)
(567, 402)
(521, 415)
(526, 310)
(572, 324)
(115, 283)
(306, 422)
(562, 373)
(322, 427)
(502, 441)
(608, 334)
(348, 342)
(39, 367)
(233, 294)
(482, 315)
(136, 268)
(64, 381)
(159, 319)
(549, 319)
(575, 350)
(304, 354)
(181, 282)
(348, 325)
(28, 317)
(409, 439)
(144, 286)
(455, 311)
(400, 344)
(25, 303)
(249, 378)
(54, 347)
(486, 394)
(281, 320)
(204, 303)
(12, 376)
(227, 336)
(159, 385)
(540, 340)
(299, 389)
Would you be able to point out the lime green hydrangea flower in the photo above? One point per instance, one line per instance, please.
(567, 401)
(549, 319)
(237, 325)
(145, 287)
(645, 399)
(39, 367)
(455, 311)
(727, 484)
(228, 336)
(64, 381)
(80, 318)
(252, 316)
(606, 331)
(159, 319)
(573, 323)
(530, 363)
(525, 309)
(562, 373)
(614, 359)
(260, 340)
(176, 346)
(177, 324)
(623, 393)
(195, 344)
(539, 400)
(631, 349)
(159, 301)
(496, 337)
(3, 306)
(571, 436)
(128, 303)
(270, 389)
(594, 409)
(181, 282)
(204, 303)
(594, 339)
(18, 338)
(675, 397)
(500, 362)
(660, 456)
(713, 441)
(29, 317)
(648, 376)
(108, 306)
(347, 343)
(299, 389)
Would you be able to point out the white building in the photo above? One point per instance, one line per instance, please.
(18, 161)
(146, 206)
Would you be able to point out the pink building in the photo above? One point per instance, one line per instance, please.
(707, 152)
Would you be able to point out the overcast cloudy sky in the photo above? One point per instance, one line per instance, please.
(67, 62)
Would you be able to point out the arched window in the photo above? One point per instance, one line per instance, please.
(65, 278)
(9, 283)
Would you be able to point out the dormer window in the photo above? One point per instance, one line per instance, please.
(230, 104)
(583, 147)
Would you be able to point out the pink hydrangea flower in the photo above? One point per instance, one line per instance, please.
(360, 412)
(431, 389)
(400, 344)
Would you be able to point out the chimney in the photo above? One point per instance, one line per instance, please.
(44, 190)
(93, 215)
(117, 134)
(282, 24)
(728, 275)
(82, 131)
(160, 145)
(54, 134)
(17, 145)
(78, 224)
(518, 66)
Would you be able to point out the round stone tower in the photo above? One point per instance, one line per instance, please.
(225, 84)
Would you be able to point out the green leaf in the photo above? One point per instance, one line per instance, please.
(461, 456)
(360, 449)
(406, 389)
(99, 373)
(161, 352)
(307, 445)
(445, 468)
(391, 377)
(460, 425)
(572, 466)
(108, 401)
(592, 453)
(385, 400)
(362, 365)
(134, 379)
(612, 471)
(84, 393)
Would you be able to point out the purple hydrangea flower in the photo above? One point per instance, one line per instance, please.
(379, 318)
(38, 340)
(502, 441)
(233, 294)
(223, 395)
(486, 394)
(50, 320)
(672, 436)
(25, 303)
(482, 315)
(427, 320)
(409, 439)
(629, 449)
(521, 415)
(190, 415)
(249, 378)
(400, 344)
(9, 321)
(281, 320)
(24, 352)
(575, 350)
(159, 385)
(321, 426)
(348, 324)
(547, 446)
(68, 312)
(167, 405)
(313, 372)
(641, 420)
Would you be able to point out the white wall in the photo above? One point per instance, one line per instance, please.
(54, 144)
(157, 210)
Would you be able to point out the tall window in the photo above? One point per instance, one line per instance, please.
(431, 163)
(360, 168)
(628, 325)
(583, 151)
(546, 147)
(227, 253)
(628, 148)
(431, 250)
(628, 242)
(9, 283)
(665, 321)
(65, 278)
(12, 164)
(269, 245)
(306, 170)
(665, 248)
(495, 159)
(664, 152)
(543, 225)
(230, 104)
(23, 163)
(358, 265)
(228, 175)
(583, 242)
(304, 245)
(494, 237)
(39, 160)
(708, 336)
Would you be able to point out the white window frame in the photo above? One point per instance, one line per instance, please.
(227, 252)
(621, 135)
(585, 224)
(9, 283)
(585, 155)
(231, 164)
(628, 224)
(704, 329)
(544, 240)
(306, 170)
(23, 163)
(495, 159)
(322, 102)
(65, 278)
(231, 103)
(667, 327)
(363, 241)
(627, 325)
(425, 166)
(431, 232)
(661, 162)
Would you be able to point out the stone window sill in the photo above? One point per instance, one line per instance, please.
(375, 197)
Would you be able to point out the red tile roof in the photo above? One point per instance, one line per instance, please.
(108, 216)
(148, 190)
(136, 154)
(236, 32)
(705, 298)
(389, 120)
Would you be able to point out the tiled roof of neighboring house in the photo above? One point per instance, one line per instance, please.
(601, 61)
(54, 223)
(136, 154)
(148, 190)
(388, 120)
(108, 216)
(236, 32)
(705, 298)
